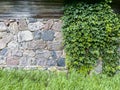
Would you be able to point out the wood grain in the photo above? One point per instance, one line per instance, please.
(31, 8)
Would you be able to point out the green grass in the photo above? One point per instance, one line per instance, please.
(44, 80)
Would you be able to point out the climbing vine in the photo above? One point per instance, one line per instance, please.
(91, 34)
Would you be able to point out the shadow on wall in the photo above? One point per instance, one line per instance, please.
(116, 6)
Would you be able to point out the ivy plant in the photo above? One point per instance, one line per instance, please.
(91, 33)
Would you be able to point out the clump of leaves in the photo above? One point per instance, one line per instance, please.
(91, 33)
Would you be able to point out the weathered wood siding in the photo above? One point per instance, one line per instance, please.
(31, 8)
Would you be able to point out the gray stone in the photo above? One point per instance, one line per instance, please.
(30, 53)
(17, 53)
(23, 45)
(24, 61)
(2, 34)
(43, 54)
(7, 22)
(27, 61)
(49, 24)
(57, 46)
(22, 25)
(41, 61)
(61, 62)
(58, 36)
(13, 27)
(57, 26)
(3, 27)
(51, 63)
(35, 26)
(59, 54)
(12, 45)
(33, 61)
(47, 35)
(25, 36)
(53, 54)
(119, 49)
(2, 44)
(38, 44)
(6, 39)
(12, 61)
(98, 68)
(37, 35)
(3, 51)
(2, 60)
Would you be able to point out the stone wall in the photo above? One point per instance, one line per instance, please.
(31, 42)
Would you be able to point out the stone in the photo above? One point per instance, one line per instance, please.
(61, 62)
(59, 54)
(2, 44)
(57, 26)
(30, 53)
(12, 45)
(47, 35)
(13, 27)
(15, 38)
(3, 27)
(49, 24)
(33, 45)
(58, 36)
(119, 49)
(53, 54)
(64, 54)
(7, 22)
(17, 53)
(3, 52)
(24, 45)
(22, 24)
(51, 62)
(41, 61)
(35, 26)
(43, 54)
(2, 60)
(25, 36)
(5, 40)
(57, 46)
(12, 61)
(98, 68)
(33, 61)
(37, 35)
(37, 44)
(24, 61)
(3, 34)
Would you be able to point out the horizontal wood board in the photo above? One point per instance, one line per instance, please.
(30, 8)
(37, 8)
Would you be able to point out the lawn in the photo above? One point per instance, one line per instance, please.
(46, 80)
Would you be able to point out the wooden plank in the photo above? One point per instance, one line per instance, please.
(31, 8)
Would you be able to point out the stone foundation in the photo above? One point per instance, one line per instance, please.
(31, 42)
